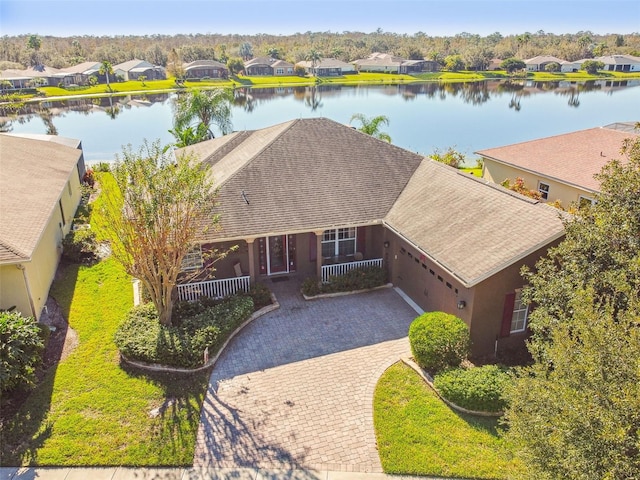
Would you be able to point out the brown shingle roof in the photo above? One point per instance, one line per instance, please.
(34, 175)
(470, 227)
(573, 158)
(304, 175)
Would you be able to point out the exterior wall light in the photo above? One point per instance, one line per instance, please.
(461, 304)
(386, 244)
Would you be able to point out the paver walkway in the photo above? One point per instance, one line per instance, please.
(294, 390)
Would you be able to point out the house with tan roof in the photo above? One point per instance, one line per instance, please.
(327, 67)
(561, 168)
(205, 69)
(39, 194)
(540, 62)
(387, 63)
(313, 197)
(620, 63)
(265, 66)
(134, 69)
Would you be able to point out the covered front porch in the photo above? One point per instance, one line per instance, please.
(321, 253)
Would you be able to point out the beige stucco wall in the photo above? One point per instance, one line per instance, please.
(41, 268)
(567, 194)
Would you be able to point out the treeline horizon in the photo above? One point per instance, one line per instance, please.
(60, 52)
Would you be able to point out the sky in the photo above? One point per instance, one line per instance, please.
(67, 18)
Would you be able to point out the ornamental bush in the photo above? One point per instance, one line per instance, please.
(357, 279)
(21, 347)
(438, 341)
(479, 388)
(80, 246)
(206, 325)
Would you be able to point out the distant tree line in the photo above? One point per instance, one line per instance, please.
(469, 50)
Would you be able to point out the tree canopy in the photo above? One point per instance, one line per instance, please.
(206, 107)
(371, 126)
(575, 413)
(152, 213)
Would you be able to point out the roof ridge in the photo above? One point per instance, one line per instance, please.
(258, 152)
(13, 249)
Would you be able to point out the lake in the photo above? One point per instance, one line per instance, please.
(422, 117)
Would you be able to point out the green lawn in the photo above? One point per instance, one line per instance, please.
(475, 171)
(418, 434)
(91, 411)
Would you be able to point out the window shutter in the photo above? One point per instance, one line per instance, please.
(313, 247)
(507, 314)
(361, 240)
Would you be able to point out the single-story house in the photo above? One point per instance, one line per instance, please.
(569, 67)
(205, 69)
(327, 67)
(387, 63)
(40, 192)
(313, 197)
(540, 62)
(620, 63)
(24, 78)
(267, 66)
(134, 69)
(79, 74)
(495, 64)
(561, 167)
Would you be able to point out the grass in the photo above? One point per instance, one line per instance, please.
(475, 171)
(91, 411)
(418, 434)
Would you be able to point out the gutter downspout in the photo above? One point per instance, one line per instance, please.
(26, 284)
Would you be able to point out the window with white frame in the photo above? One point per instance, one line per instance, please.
(339, 242)
(585, 201)
(543, 188)
(192, 259)
(520, 312)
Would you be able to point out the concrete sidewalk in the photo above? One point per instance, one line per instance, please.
(123, 473)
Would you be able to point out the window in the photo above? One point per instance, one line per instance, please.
(585, 201)
(543, 188)
(193, 259)
(520, 312)
(339, 242)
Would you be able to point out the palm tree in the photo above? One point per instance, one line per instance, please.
(105, 69)
(207, 106)
(189, 135)
(314, 57)
(371, 126)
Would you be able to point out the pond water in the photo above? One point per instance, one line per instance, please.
(422, 117)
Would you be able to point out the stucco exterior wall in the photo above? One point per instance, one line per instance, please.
(566, 194)
(13, 291)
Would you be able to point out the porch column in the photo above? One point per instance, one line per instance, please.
(252, 266)
(319, 234)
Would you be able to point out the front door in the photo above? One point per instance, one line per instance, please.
(278, 254)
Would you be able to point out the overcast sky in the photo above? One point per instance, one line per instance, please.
(68, 18)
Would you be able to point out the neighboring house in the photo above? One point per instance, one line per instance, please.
(316, 198)
(561, 167)
(384, 62)
(620, 63)
(40, 192)
(494, 64)
(23, 78)
(134, 69)
(80, 74)
(327, 67)
(539, 63)
(265, 66)
(205, 69)
(569, 67)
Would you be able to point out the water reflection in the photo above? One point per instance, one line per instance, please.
(250, 99)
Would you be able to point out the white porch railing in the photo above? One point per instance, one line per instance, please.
(341, 268)
(213, 288)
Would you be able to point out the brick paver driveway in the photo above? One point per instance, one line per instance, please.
(294, 389)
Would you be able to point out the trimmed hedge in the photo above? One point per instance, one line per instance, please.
(439, 341)
(479, 388)
(357, 279)
(198, 326)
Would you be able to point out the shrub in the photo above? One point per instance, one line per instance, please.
(438, 341)
(21, 346)
(356, 279)
(478, 388)
(102, 167)
(261, 295)
(80, 246)
(199, 326)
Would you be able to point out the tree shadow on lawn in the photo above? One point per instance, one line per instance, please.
(23, 417)
(177, 418)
